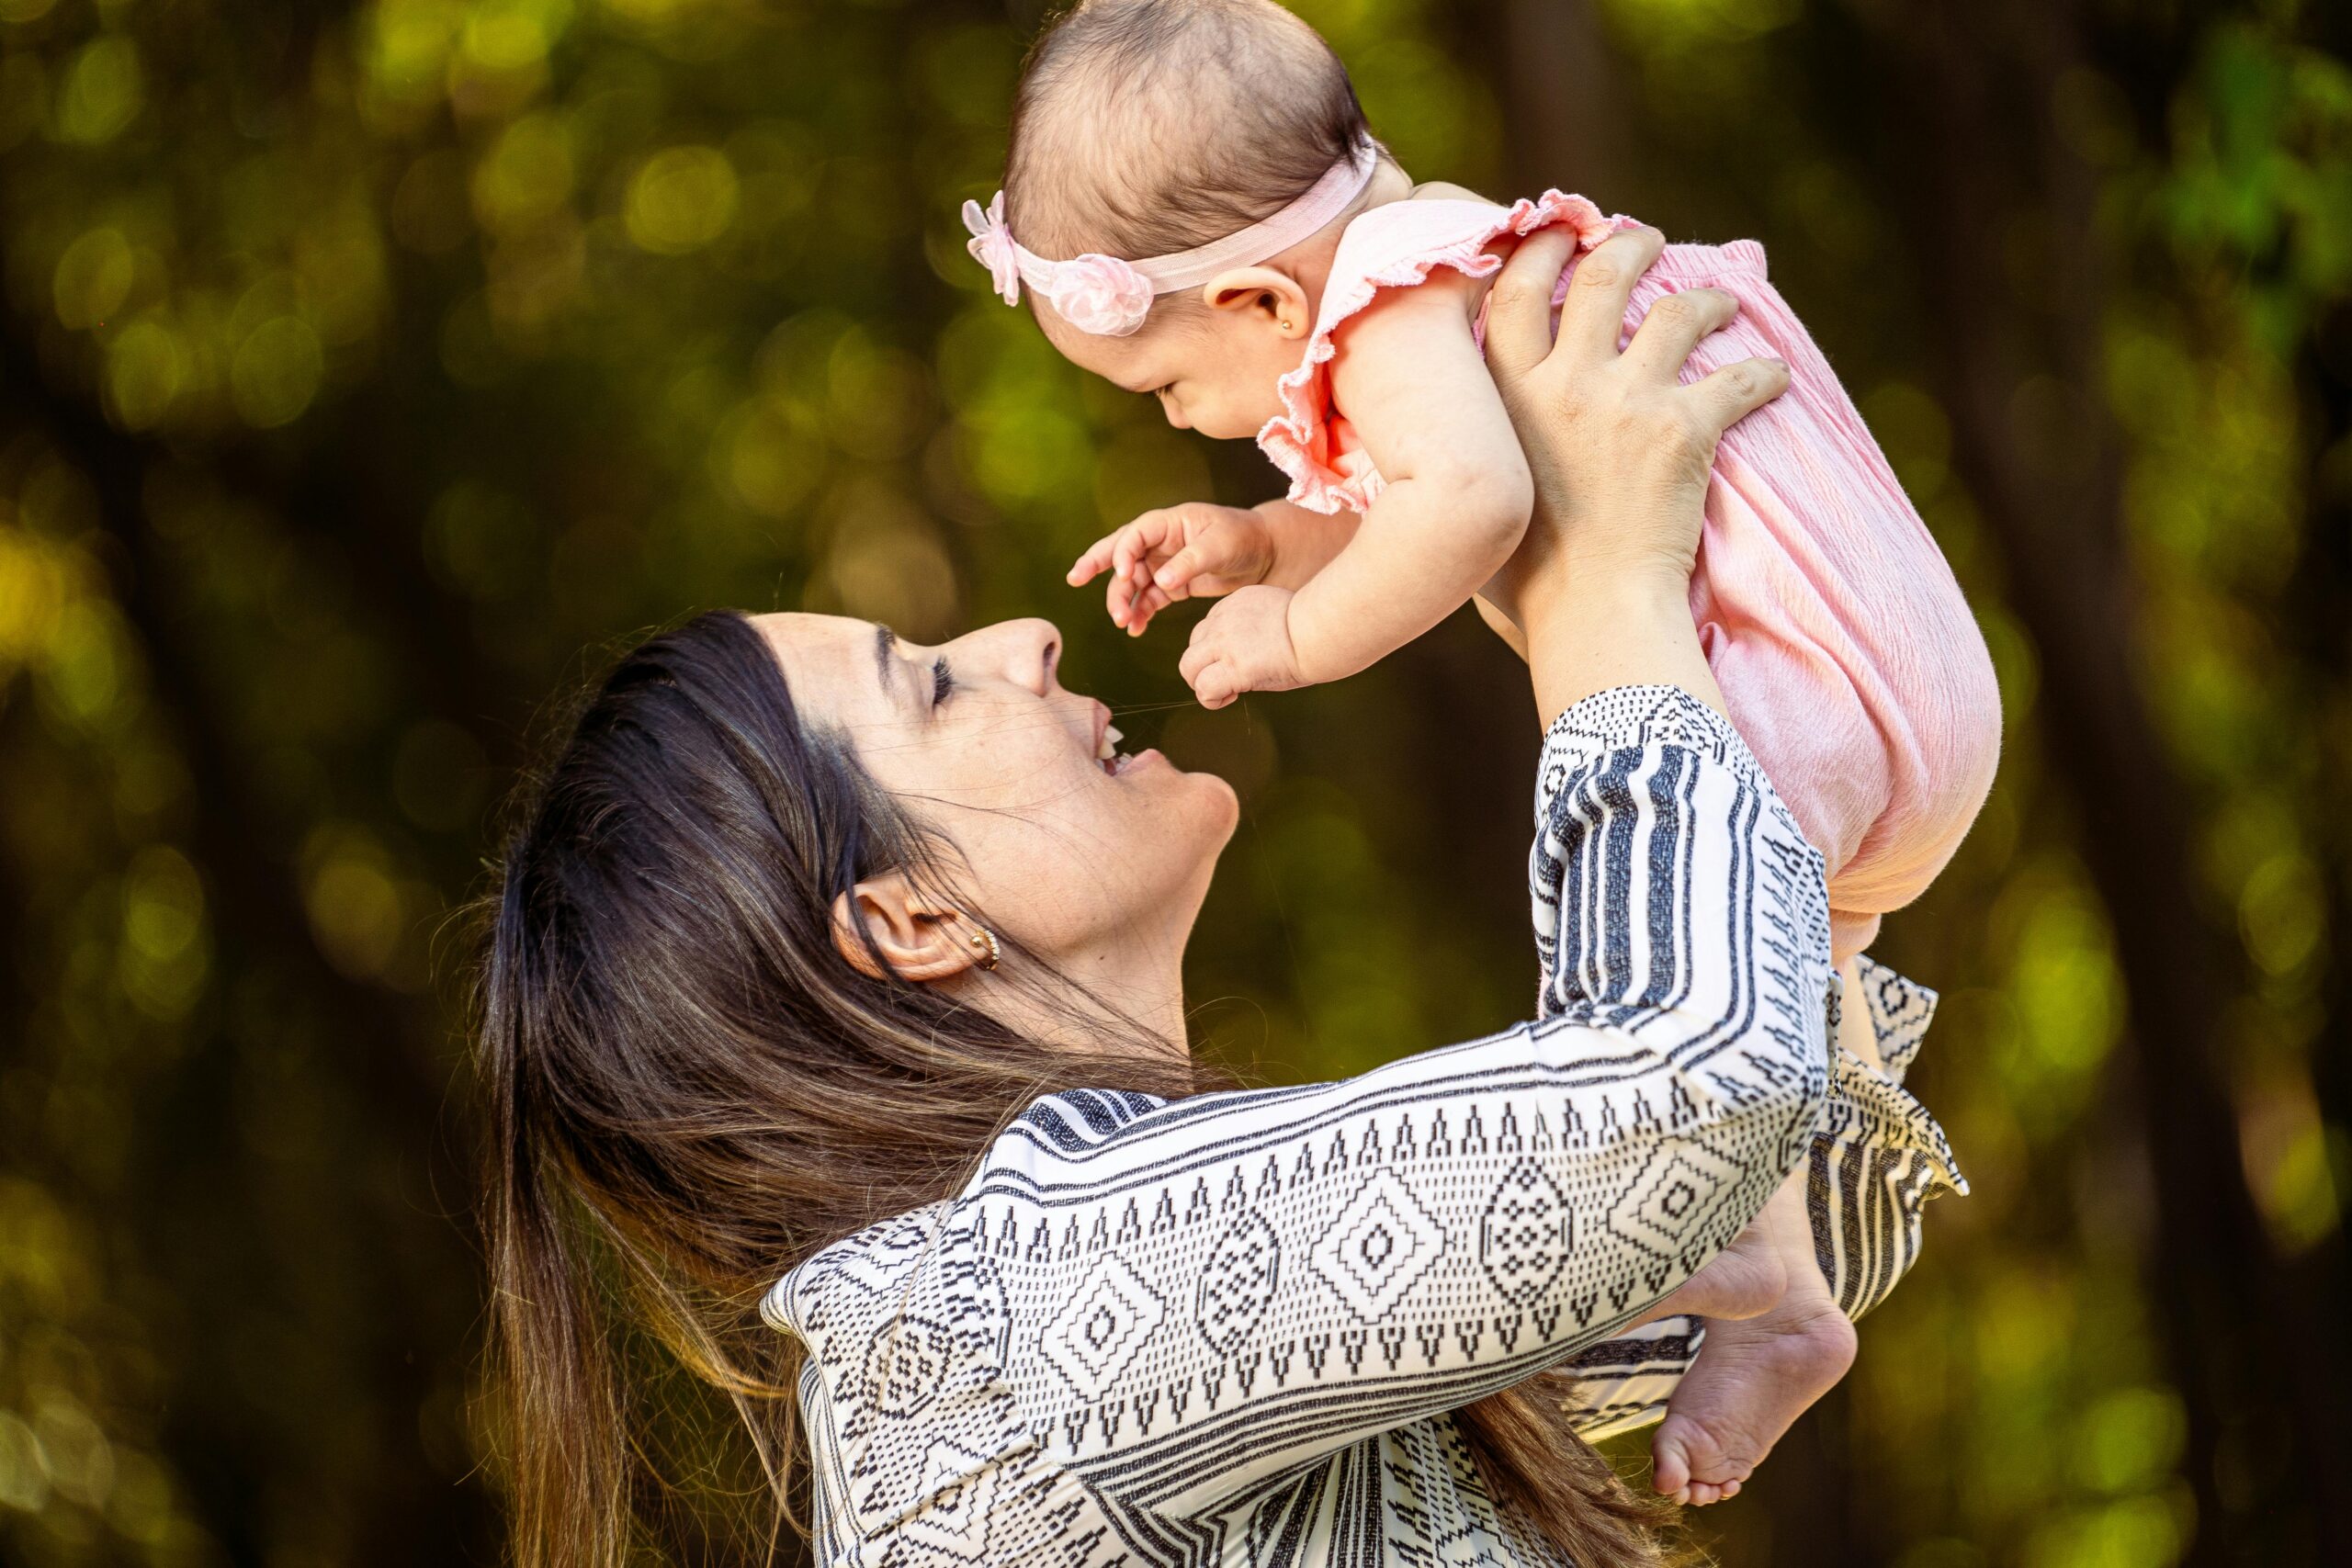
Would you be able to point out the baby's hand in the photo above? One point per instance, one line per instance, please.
(1176, 553)
(1243, 645)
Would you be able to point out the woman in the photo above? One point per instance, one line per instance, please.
(834, 1029)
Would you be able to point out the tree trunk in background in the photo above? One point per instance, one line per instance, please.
(2024, 388)
(1563, 104)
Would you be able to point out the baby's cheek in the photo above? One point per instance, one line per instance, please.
(1242, 405)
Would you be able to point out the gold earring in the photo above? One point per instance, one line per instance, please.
(984, 939)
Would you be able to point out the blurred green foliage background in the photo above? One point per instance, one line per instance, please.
(360, 365)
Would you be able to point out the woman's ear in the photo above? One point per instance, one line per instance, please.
(919, 938)
(1263, 292)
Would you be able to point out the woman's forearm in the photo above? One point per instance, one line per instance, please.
(1607, 627)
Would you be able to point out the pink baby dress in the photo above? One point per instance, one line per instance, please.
(1845, 649)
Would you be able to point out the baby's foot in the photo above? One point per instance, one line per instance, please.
(1755, 1376)
(1747, 1278)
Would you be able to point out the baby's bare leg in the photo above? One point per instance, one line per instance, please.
(1756, 1376)
(1776, 1340)
(1747, 1278)
(1857, 1036)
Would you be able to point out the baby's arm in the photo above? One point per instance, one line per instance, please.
(1304, 542)
(1455, 502)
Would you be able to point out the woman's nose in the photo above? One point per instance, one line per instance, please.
(1023, 652)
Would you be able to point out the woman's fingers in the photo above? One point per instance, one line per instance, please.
(1518, 307)
(1673, 327)
(1729, 395)
(1595, 310)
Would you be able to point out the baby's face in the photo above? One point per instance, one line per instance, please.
(1212, 371)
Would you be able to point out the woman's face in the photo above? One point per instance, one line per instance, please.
(1095, 864)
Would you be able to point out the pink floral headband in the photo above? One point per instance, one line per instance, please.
(1109, 298)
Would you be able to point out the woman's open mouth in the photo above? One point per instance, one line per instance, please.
(1107, 755)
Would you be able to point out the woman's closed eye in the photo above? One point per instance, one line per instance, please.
(942, 680)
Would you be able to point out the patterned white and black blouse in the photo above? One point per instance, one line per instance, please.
(1228, 1329)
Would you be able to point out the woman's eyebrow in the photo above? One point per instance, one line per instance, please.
(886, 658)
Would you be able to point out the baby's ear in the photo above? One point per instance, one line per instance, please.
(1262, 293)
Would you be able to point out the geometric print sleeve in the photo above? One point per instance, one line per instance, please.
(1191, 1300)
(1873, 1165)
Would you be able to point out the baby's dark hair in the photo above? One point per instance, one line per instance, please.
(1143, 127)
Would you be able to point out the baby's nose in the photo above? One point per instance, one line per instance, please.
(1175, 412)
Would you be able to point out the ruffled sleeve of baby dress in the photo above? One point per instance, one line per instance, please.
(1395, 246)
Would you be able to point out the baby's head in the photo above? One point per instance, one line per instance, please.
(1143, 129)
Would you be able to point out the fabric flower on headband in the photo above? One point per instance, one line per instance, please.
(1100, 294)
(1096, 294)
(991, 245)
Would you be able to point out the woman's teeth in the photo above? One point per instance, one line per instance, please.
(1107, 752)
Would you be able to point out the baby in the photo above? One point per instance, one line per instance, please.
(1289, 283)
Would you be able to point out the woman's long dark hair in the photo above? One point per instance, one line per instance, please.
(691, 1090)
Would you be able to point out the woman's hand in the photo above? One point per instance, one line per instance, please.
(1620, 452)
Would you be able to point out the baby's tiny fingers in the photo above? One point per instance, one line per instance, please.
(1176, 573)
(1217, 686)
(1147, 604)
(1094, 562)
(1126, 547)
